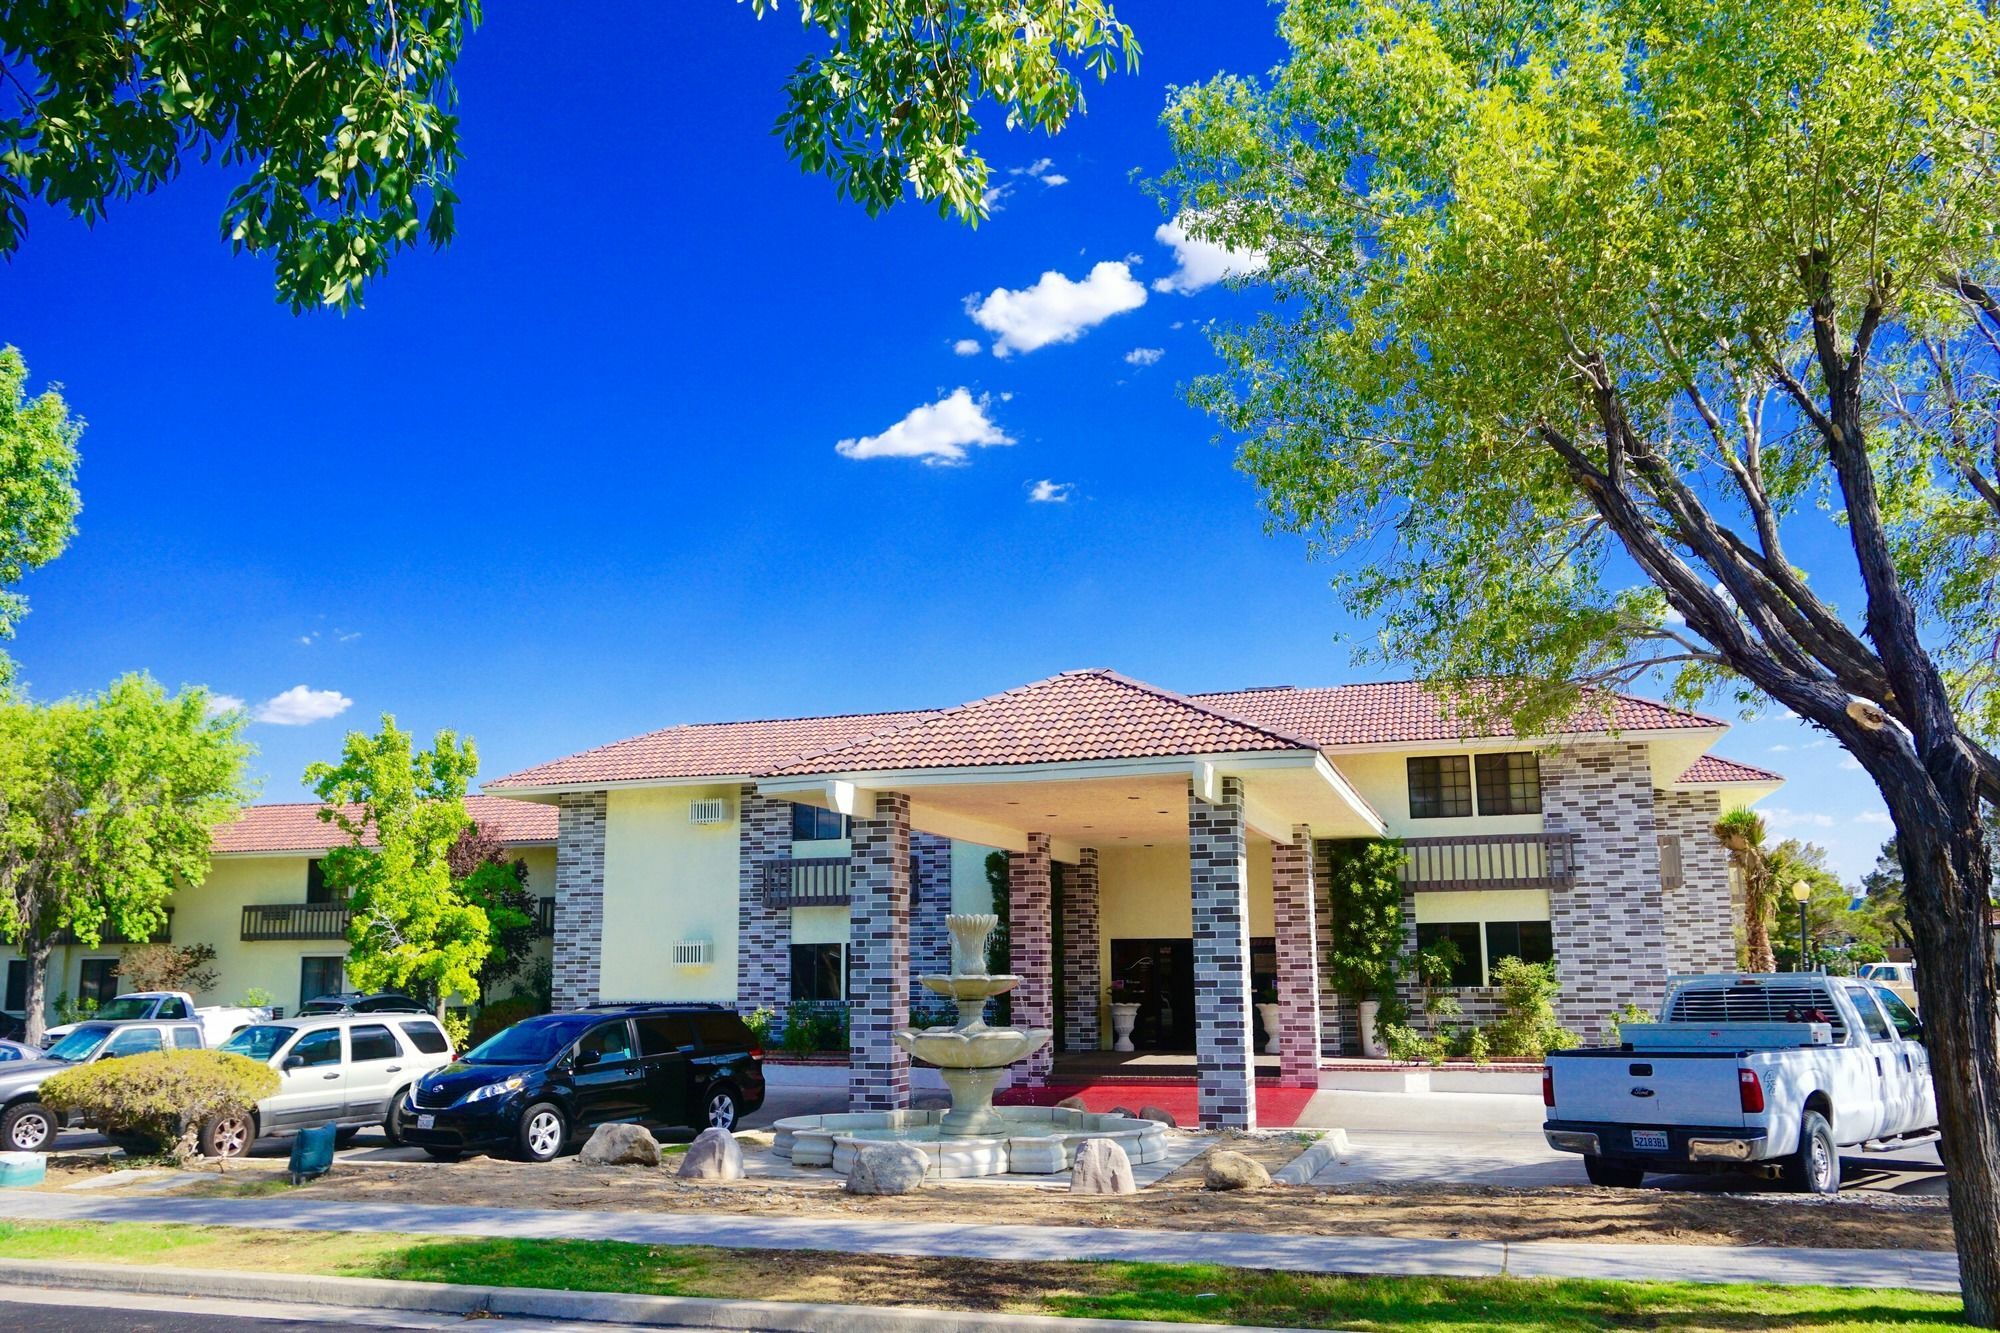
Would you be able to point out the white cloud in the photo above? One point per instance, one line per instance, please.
(1675, 618)
(937, 433)
(1780, 818)
(994, 194)
(219, 704)
(1849, 764)
(1040, 169)
(1145, 356)
(301, 705)
(1055, 309)
(1780, 749)
(1051, 178)
(1048, 492)
(1200, 263)
(1876, 817)
(968, 347)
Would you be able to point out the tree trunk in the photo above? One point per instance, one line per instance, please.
(37, 952)
(1756, 921)
(1946, 871)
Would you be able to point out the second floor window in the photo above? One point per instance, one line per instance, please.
(1440, 787)
(812, 824)
(1509, 784)
(316, 889)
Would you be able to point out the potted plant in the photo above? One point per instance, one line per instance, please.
(1365, 891)
(1267, 1014)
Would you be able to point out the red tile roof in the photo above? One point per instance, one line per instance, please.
(1714, 770)
(297, 827)
(705, 750)
(1404, 712)
(1074, 717)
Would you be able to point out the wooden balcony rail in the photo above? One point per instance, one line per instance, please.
(1490, 861)
(109, 934)
(806, 881)
(294, 921)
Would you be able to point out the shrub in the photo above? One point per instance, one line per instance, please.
(499, 1015)
(759, 1022)
(160, 1095)
(1366, 894)
(457, 1028)
(182, 967)
(1625, 1016)
(1527, 1024)
(258, 998)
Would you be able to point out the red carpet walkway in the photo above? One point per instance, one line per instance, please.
(1277, 1108)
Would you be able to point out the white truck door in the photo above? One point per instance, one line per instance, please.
(1922, 1102)
(1884, 1101)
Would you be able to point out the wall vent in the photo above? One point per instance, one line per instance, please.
(712, 811)
(694, 953)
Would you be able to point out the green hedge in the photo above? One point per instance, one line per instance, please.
(157, 1096)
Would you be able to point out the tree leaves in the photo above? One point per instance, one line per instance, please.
(38, 499)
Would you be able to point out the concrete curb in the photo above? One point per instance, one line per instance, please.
(544, 1303)
(1301, 1169)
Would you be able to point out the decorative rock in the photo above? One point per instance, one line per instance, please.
(1160, 1114)
(1120, 1110)
(714, 1155)
(1101, 1168)
(1072, 1104)
(621, 1145)
(888, 1168)
(1233, 1171)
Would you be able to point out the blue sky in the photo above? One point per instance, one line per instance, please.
(582, 474)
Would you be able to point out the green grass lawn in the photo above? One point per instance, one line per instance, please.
(1115, 1291)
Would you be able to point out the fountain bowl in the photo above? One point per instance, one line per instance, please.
(1021, 1140)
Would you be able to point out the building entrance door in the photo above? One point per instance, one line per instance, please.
(1158, 976)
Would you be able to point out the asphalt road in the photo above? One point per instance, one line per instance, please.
(48, 1310)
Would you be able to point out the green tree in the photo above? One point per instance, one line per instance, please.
(342, 122)
(487, 879)
(1832, 923)
(1365, 895)
(106, 802)
(403, 810)
(38, 499)
(1883, 890)
(1593, 311)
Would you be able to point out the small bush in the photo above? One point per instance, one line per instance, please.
(811, 1026)
(759, 1022)
(1527, 1024)
(158, 1096)
(1626, 1015)
(499, 1015)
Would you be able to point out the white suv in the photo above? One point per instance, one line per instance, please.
(348, 1069)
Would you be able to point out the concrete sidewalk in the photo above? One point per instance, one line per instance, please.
(1921, 1270)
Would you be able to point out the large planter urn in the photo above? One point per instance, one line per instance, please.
(1123, 1016)
(1371, 1045)
(1268, 1013)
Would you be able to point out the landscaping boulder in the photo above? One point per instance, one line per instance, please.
(888, 1168)
(1101, 1167)
(1124, 1111)
(1160, 1114)
(621, 1145)
(1227, 1170)
(1071, 1104)
(714, 1155)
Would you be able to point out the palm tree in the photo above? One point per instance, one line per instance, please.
(1742, 832)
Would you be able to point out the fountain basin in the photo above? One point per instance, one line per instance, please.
(1029, 1140)
(972, 1048)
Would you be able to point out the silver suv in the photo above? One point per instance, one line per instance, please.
(26, 1125)
(349, 1069)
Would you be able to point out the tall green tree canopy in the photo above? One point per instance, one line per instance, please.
(403, 810)
(38, 499)
(1590, 316)
(106, 802)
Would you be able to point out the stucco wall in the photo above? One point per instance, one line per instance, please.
(1385, 781)
(666, 879)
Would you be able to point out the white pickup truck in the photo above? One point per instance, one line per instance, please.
(218, 1022)
(1771, 1072)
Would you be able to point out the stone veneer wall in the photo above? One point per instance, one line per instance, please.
(930, 903)
(879, 969)
(763, 934)
(578, 947)
(1609, 925)
(1083, 982)
(1292, 922)
(1700, 920)
(1218, 891)
(1032, 949)
(1339, 1032)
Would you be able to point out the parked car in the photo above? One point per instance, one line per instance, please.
(1898, 977)
(354, 1002)
(1762, 1071)
(351, 1069)
(18, 1050)
(547, 1082)
(26, 1125)
(218, 1022)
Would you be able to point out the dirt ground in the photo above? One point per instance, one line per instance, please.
(1178, 1202)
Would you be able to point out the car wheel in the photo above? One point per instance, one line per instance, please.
(227, 1135)
(1612, 1175)
(343, 1137)
(1815, 1167)
(444, 1154)
(543, 1132)
(723, 1109)
(392, 1124)
(28, 1127)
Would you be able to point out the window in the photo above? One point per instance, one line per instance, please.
(1529, 941)
(664, 1034)
(812, 824)
(132, 1041)
(426, 1037)
(1440, 787)
(320, 976)
(816, 972)
(1509, 784)
(610, 1043)
(316, 886)
(1908, 1026)
(317, 1048)
(1462, 935)
(372, 1041)
(187, 1039)
(172, 1009)
(1871, 1016)
(96, 981)
(17, 985)
(722, 1032)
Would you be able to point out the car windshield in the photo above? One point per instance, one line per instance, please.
(80, 1044)
(127, 1006)
(531, 1043)
(260, 1041)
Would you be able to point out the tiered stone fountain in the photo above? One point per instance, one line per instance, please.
(975, 1137)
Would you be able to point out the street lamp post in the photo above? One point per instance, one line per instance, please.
(1802, 894)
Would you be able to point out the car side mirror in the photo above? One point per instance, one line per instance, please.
(294, 1062)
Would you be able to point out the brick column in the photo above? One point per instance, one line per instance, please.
(578, 948)
(878, 1077)
(1032, 948)
(763, 934)
(1608, 927)
(1700, 917)
(1218, 891)
(1292, 920)
(1334, 1020)
(1083, 981)
(930, 902)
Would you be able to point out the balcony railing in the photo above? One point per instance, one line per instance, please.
(294, 921)
(110, 934)
(806, 881)
(1490, 861)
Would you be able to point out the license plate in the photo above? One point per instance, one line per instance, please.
(427, 1121)
(1649, 1140)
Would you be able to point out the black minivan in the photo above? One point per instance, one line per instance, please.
(545, 1083)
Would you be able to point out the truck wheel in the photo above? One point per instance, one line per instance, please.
(1612, 1175)
(1815, 1167)
(27, 1127)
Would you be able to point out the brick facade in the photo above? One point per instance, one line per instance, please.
(1339, 1032)
(1083, 981)
(763, 934)
(1608, 926)
(879, 967)
(1292, 922)
(1700, 918)
(1218, 892)
(1032, 949)
(578, 946)
(930, 941)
